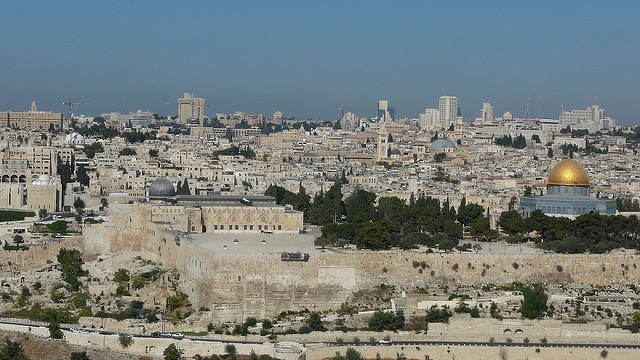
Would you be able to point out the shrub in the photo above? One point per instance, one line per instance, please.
(125, 340)
(230, 349)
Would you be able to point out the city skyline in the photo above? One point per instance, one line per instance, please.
(308, 60)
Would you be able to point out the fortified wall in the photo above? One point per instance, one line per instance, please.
(261, 285)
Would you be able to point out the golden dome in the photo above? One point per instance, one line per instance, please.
(568, 172)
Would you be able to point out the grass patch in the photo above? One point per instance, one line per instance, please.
(193, 333)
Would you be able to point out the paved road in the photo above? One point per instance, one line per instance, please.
(486, 343)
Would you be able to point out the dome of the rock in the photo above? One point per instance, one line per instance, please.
(568, 172)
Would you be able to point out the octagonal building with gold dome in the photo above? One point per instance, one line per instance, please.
(568, 194)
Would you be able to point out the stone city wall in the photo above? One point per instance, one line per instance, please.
(261, 285)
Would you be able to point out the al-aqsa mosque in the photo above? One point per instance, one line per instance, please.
(568, 194)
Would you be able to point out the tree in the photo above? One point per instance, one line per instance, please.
(81, 175)
(125, 340)
(12, 350)
(18, 239)
(511, 222)
(360, 206)
(78, 204)
(315, 322)
(520, 142)
(121, 276)
(59, 227)
(435, 315)
(528, 191)
(468, 214)
(439, 157)
(390, 208)
(534, 305)
(172, 352)
(183, 188)
(92, 149)
(65, 174)
(481, 228)
(230, 349)
(447, 243)
(54, 330)
(42, 213)
(279, 193)
(352, 354)
(153, 153)
(372, 235)
(71, 262)
(81, 355)
(386, 321)
(550, 152)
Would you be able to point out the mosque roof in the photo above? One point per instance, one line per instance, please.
(568, 172)
(161, 188)
(440, 144)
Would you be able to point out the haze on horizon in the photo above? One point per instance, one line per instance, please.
(307, 59)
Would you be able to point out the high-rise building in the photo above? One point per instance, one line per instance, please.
(448, 107)
(385, 112)
(278, 117)
(486, 114)
(191, 110)
(430, 120)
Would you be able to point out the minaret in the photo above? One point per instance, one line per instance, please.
(34, 107)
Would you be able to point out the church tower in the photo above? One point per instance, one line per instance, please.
(383, 144)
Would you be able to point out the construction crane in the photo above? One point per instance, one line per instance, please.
(342, 110)
(70, 104)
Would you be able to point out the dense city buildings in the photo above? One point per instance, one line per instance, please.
(249, 217)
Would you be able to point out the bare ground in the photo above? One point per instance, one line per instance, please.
(39, 348)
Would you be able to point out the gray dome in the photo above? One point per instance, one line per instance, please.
(161, 188)
(440, 144)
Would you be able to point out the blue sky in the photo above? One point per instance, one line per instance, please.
(308, 58)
